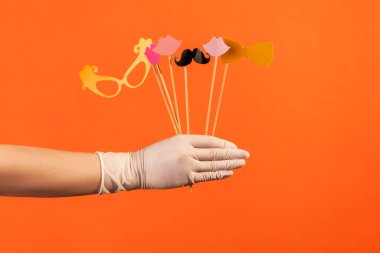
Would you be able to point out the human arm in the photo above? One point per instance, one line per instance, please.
(174, 162)
(42, 172)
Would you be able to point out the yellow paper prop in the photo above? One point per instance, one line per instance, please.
(260, 53)
(90, 78)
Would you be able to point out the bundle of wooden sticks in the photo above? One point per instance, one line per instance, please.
(149, 54)
(228, 50)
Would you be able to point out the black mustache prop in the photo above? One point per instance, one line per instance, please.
(187, 56)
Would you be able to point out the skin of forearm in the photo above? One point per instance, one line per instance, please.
(41, 172)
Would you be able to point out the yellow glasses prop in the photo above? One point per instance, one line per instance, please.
(90, 78)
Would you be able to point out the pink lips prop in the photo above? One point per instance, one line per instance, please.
(167, 45)
(152, 56)
(216, 47)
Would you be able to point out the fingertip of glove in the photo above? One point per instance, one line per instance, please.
(228, 173)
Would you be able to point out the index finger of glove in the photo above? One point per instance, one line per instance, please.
(207, 141)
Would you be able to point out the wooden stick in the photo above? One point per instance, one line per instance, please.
(187, 101)
(220, 99)
(167, 93)
(174, 94)
(187, 111)
(211, 92)
(166, 102)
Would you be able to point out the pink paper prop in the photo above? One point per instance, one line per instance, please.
(152, 56)
(154, 59)
(216, 47)
(167, 45)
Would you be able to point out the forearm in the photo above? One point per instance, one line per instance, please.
(41, 172)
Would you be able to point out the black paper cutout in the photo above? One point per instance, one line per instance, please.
(187, 56)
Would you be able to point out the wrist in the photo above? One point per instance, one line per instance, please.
(121, 171)
(136, 170)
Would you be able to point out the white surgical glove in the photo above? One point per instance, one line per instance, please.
(174, 162)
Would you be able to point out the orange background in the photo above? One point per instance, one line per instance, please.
(310, 121)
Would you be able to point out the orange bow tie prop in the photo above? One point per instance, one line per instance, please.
(260, 53)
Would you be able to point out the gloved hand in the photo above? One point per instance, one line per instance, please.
(174, 162)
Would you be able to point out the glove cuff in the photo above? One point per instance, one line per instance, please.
(121, 171)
